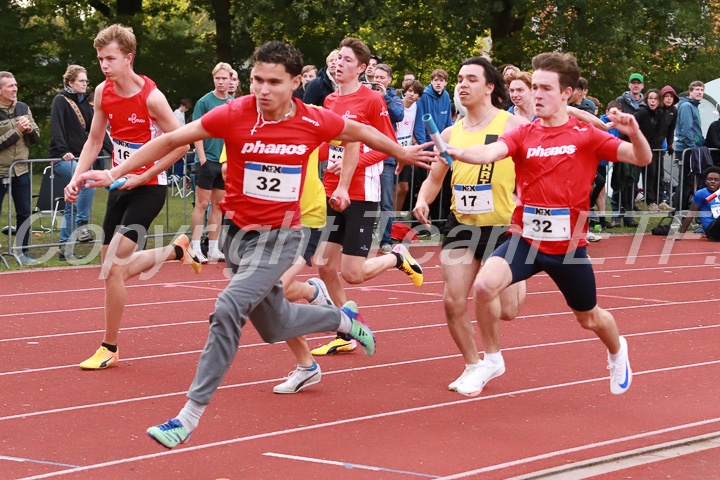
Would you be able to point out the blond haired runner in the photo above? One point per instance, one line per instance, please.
(209, 183)
(137, 112)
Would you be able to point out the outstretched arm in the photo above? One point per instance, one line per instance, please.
(480, 154)
(154, 149)
(638, 152)
(373, 138)
(589, 118)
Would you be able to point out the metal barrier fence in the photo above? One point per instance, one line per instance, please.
(180, 184)
(671, 172)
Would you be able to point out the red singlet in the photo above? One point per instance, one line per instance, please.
(554, 169)
(267, 162)
(130, 124)
(368, 107)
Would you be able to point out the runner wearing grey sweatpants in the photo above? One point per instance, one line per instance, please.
(257, 260)
(269, 138)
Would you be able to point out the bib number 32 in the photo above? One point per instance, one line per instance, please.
(546, 224)
(277, 183)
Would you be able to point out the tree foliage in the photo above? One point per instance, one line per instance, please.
(668, 41)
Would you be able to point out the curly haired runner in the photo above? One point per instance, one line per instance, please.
(555, 162)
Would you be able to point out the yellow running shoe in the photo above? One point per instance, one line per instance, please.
(189, 256)
(103, 358)
(338, 345)
(410, 266)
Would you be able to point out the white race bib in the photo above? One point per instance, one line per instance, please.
(473, 199)
(546, 224)
(267, 181)
(336, 153)
(715, 209)
(122, 150)
(405, 141)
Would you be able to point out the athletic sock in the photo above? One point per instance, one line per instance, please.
(212, 245)
(473, 366)
(179, 252)
(317, 292)
(494, 359)
(112, 348)
(196, 245)
(190, 415)
(399, 259)
(345, 323)
(311, 368)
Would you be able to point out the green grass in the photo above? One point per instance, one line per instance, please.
(174, 218)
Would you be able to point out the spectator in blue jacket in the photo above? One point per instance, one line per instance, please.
(435, 101)
(688, 132)
(396, 112)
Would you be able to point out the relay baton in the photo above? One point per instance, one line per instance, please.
(117, 183)
(436, 137)
(711, 197)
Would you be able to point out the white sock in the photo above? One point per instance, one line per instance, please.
(494, 359)
(212, 245)
(196, 246)
(190, 415)
(345, 323)
(473, 366)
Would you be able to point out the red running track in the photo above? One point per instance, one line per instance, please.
(389, 416)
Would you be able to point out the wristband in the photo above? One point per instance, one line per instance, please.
(110, 175)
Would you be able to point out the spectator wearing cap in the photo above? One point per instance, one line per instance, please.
(630, 100)
(625, 177)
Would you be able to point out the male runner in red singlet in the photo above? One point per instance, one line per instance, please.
(555, 158)
(353, 196)
(269, 136)
(137, 112)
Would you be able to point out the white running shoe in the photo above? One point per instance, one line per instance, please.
(299, 379)
(203, 259)
(593, 237)
(216, 256)
(474, 382)
(453, 386)
(620, 372)
(323, 295)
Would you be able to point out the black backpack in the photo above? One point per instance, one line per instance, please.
(663, 227)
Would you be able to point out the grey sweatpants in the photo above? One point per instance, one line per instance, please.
(257, 260)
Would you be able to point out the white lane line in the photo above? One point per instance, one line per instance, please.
(148, 304)
(394, 413)
(347, 465)
(331, 372)
(580, 448)
(169, 302)
(348, 287)
(30, 460)
(628, 459)
(388, 330)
